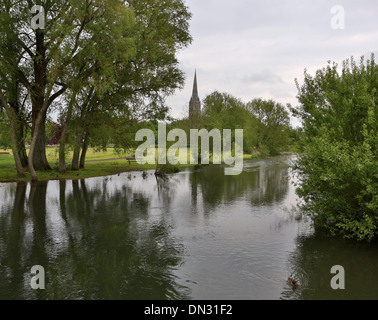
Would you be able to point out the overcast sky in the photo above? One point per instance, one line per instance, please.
(256, 48)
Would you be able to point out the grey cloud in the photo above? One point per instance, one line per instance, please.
(256, 48)
(265, 76)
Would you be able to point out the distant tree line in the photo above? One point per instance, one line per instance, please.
(266, 123)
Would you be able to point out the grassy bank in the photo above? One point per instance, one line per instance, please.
(97, 164)
(95, 169)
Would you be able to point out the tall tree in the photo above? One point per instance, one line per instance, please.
(94, 31)
(143, 81)
(224, 111)
(13, 96)
(274, 120)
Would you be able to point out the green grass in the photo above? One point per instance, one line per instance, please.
(6, 160)
(92, 169)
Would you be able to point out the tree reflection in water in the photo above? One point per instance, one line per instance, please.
(94, 243)
(313, 259)
(197, 234)
(112, 237)
(260, 183)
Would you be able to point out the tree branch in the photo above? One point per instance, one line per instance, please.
(21, 76)
(56, 95)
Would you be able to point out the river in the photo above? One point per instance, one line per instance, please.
(197, 235)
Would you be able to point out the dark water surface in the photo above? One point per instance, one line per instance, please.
(195, 235)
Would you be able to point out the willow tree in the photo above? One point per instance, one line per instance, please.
(12, 95)
(9, 97)
(141, 82)
(80, 40)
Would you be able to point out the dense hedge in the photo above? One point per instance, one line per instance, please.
(338, 164)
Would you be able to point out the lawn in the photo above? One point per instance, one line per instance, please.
(92, 169)
(53, 155)
(110, 163)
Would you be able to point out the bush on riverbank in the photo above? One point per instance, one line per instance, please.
(167, 169)
(338, 168)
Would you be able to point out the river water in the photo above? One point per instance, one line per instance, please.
(197, 234)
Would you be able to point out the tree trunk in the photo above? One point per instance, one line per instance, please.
(40, 162)
(39, 106)
(62, 156)
(85, 111)
(76, 152)
(18, 122)
(62, 148)
(84, 151)
(17, 160)
(21, 147)
(13, 123)
(64, 137)
(35, 145)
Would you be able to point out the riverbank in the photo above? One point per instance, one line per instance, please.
(98, 164)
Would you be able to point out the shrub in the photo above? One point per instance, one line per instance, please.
(167, 169)
(338, 166)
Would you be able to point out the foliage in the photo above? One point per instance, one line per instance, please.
(141, 83)
(224, 111)
(273, 124)
(53, 132)
(265, 123)
(338, 165)
(100, 62)
(163, 169)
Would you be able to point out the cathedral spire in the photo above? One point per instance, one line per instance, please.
(195, 103)
(195, 87)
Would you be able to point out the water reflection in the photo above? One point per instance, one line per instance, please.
(12, 234)
(261, 182)
(193, 235)
(313, 259)
(94, 243)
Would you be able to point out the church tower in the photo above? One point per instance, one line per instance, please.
(195, 103)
